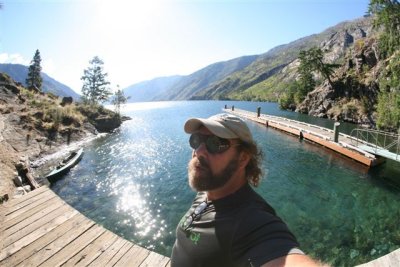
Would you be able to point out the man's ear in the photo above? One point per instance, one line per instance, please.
(244, 159)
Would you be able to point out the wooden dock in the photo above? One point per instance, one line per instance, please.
(314, 133)
(389, 260)
(41, 229)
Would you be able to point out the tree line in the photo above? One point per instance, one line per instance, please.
(95, 89)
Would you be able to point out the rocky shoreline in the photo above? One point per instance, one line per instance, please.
(29, 142)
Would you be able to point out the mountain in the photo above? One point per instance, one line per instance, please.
(267, 77)
(148, 90)
(20, 72)
(188, 86)
(185, 87)
(259, 77)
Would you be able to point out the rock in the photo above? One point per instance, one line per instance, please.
(17, 181)
(107, 123)
(19, 191)
(67, 100)
(27, 188)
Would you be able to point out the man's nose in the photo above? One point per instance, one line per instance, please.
(201, 150)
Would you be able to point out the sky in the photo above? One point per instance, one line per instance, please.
(139, 40)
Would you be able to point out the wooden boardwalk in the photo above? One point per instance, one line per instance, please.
(389, 260)
(40, 229)
(314, 133)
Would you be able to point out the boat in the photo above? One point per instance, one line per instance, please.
(65, 165)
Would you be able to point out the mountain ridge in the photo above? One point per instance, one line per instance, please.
(257, 77)
(19, 73)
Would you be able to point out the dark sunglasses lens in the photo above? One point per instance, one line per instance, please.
(194, 141)
(213, 143)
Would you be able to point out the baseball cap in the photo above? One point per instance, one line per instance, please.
(222, 125)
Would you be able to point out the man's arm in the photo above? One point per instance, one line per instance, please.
(293, 260)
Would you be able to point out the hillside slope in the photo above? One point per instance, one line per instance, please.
(20, 72)
(266, 78)
(189, 86)
(35, 124)
(185, 87)
(148, 90)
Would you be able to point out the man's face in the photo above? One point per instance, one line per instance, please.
(211, 171)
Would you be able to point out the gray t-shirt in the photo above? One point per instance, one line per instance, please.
(241, 229)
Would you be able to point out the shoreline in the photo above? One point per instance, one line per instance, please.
(45, 163)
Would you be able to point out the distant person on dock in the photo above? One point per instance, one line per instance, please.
(229, 224)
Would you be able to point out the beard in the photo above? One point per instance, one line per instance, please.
(204, 179)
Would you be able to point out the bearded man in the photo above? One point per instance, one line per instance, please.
(229, 224)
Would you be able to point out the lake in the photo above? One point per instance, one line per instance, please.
(134, 183)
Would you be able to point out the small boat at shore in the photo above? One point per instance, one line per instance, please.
(65, 165)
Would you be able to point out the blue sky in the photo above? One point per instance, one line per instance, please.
(141, 40)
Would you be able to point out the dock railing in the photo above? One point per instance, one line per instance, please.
(377, 140)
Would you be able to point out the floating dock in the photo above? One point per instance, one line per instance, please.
(335, 141)
(41, 229)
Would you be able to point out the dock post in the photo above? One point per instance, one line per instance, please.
(226, 106)
(336, 131)
(258, 112)
(233, 108)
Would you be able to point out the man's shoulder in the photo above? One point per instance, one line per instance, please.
(257, 203)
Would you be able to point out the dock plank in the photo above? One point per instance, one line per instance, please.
(108, 254)
(26, 197)
(11, 237)
(36, 234)
(25, 220)
(14, 219)
(133, 257)
(43, 241)
(155, 259)
(93, 250)
(120, 253)
(40, 229)
(390, 260)
(18, 210)
(75, 246)
(58, 244)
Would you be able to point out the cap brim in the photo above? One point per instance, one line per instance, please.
(193, 125)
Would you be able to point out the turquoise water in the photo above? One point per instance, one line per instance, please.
(134, 182)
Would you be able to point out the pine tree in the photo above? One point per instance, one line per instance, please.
(387, 15)
(119, 99)
(306, 82)
(34, 79)
(95, 85)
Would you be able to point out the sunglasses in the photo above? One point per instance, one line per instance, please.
(196, 213)
(214, 144)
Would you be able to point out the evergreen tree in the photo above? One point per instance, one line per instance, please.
(119, 99)
(387, 15)
(312, 61)
(34, 78)
(388, 107)
(95, 85)
(306, 82)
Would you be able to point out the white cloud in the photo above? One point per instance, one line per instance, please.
(13, 59)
